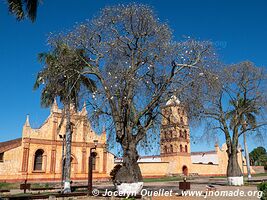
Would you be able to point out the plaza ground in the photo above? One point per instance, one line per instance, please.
(172, 184)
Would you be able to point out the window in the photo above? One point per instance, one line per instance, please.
(181, 120)
(181, 148)
(2, 157)
(185, 148)
(210, 163)
(165, 149)
(38, 159)
(181, 135)
(185, 134)
(171, 149)
(165, 134)
(174, 134)
(170, 134)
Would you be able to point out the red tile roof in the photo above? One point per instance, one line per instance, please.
(11, 144)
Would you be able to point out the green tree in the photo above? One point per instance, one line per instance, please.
(255, 154)
(263, 160)
(62, 78)
(22, 8)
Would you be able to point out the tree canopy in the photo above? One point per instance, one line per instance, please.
(137, 67)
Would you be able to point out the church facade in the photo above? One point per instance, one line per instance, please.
(37, 155)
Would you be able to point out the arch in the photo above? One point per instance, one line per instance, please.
(210, 163)
(171, 134)
(38, 160)
(181, 148)
(186, 150)
(185, 170)
(180, 133)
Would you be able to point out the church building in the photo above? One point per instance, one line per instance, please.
(37, 155)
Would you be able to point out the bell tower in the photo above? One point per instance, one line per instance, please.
(175, 135)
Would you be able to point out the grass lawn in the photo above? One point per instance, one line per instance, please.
(257, 175)
(8, 186)
(162, 179)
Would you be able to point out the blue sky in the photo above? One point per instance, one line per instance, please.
(237, 28)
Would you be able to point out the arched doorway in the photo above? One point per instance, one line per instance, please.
(185, 170)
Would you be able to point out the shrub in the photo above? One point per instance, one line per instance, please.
(263, 187)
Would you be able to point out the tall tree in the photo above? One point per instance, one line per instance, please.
(62, 78)
(138, 67)
(22, 8)
(235, 97)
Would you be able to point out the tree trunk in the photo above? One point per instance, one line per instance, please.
(247, 156)
(67, 170)
(130, 171)
(234, 173)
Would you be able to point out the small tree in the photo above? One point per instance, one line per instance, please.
(62, 79)
(234, 95)
(256, 154)
(137, 66)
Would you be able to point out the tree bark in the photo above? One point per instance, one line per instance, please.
(67, 170)
(130, 171)
(247, 155)
(233, 168)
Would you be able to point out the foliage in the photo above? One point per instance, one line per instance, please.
(20, 8)
(263, 187)
(256, 154)
(61, 75)
(62, 79)
(263, 160)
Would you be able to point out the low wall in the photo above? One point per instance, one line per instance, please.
(258, 169)
(207, 170)
(153, 169)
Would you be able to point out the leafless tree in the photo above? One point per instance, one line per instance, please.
(233, 101)
(137, 67)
